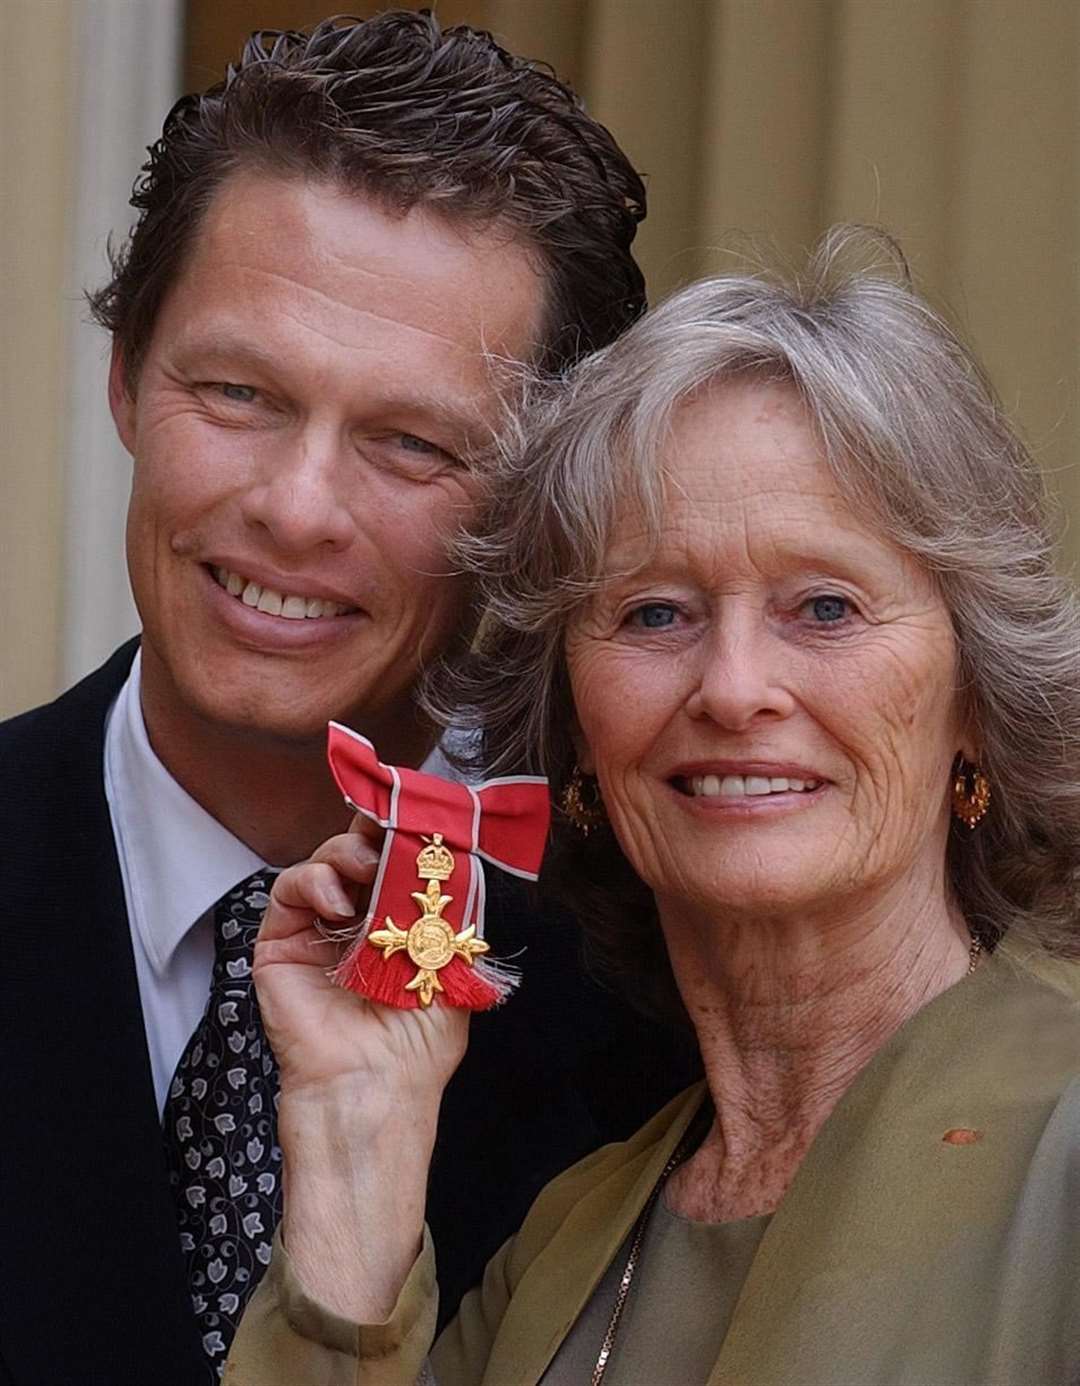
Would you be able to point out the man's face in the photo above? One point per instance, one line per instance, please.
(315, 377)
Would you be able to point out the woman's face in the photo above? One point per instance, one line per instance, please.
(768, 699)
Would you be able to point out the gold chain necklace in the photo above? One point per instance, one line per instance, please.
(690, 1139)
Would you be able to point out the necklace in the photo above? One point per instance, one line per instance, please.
(691, 1138)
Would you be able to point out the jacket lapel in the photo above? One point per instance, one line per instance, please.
(563, 1276)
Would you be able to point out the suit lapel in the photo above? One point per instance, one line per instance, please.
(92, 1282)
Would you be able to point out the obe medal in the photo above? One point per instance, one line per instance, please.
(430, 941)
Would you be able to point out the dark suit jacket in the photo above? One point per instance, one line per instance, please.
(91, 1284)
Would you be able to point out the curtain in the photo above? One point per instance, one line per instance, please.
(84, 85)
(955, 124)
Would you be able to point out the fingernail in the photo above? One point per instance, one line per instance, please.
(337, 902)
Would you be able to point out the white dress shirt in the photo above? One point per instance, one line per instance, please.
(176, 861)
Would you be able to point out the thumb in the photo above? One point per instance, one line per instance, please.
(372, 833)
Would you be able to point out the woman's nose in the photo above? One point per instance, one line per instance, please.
(743, 677)
(299, 495)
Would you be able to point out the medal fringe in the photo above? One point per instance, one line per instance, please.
(364, 970)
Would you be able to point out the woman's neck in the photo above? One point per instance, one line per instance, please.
(787, 1013)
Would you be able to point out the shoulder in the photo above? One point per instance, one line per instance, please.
(1031, 1008)
(608, 1180)
(51, 776)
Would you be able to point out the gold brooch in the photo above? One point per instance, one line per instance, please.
(429, 940)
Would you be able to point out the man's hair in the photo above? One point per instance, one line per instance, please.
(397, 109)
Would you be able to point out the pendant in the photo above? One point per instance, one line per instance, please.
(430, 940)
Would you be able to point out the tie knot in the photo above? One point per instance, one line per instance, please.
(237, 916)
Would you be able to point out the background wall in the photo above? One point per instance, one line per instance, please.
(955, 123)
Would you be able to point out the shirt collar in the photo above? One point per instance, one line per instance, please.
(177, 859)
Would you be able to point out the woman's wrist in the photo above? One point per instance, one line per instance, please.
(355, 1190)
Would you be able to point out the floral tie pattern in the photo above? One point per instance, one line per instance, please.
(221, 1132)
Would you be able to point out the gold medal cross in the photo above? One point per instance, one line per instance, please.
(429, 940)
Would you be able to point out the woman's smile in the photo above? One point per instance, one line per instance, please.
(752, 791)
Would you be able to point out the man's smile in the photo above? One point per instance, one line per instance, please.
(293, 606)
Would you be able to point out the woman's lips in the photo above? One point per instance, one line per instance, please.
(748, 786)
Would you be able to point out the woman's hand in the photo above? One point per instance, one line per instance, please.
(321, 1034)
(360, 1090)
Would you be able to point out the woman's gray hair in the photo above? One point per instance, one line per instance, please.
(912, 429)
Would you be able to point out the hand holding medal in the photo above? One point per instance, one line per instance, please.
(438, 833)
(361, 1084)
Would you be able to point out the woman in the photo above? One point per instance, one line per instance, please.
(771, 600)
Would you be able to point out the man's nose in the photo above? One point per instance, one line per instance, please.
(743, 675)
(300, 495)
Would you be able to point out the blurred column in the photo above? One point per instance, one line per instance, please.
(125, 79)
(35, 121)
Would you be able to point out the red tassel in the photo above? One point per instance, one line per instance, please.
(367, 972)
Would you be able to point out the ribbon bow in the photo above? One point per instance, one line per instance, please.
(417, 942)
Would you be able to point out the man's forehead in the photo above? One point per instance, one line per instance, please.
(302, 248)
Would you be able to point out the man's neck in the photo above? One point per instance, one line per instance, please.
(274, 793)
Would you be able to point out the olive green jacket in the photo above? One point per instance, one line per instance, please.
(896, 1258)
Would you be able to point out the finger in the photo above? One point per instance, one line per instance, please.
(367, 830)
(306, 946)
(300, 893)
(351, 856)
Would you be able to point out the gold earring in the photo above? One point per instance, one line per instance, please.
(970, 793)
(583, 806)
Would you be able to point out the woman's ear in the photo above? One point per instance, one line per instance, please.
(582, 750)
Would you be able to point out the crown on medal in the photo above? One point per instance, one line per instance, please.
(435, 862)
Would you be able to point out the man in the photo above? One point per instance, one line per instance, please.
(332, 246)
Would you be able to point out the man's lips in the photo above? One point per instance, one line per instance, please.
(289, 598)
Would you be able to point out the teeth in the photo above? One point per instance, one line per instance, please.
(745, 786)
(292, 607)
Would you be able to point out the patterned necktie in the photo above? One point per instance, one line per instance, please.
(221, 1132)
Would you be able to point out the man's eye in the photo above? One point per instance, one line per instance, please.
(242, 394)
(829, 608)
(653, 615)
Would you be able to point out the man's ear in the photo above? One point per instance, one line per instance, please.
(121, 398)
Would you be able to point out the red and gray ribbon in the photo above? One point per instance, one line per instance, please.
(503, 821)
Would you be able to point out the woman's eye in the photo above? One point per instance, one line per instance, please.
(411, 443)
(241, 394)
(653, 615)
(829, 609)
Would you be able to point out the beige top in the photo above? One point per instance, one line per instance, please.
(682, 1297)
(896, 1258)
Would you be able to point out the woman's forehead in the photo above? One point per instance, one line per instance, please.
(744, 474)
